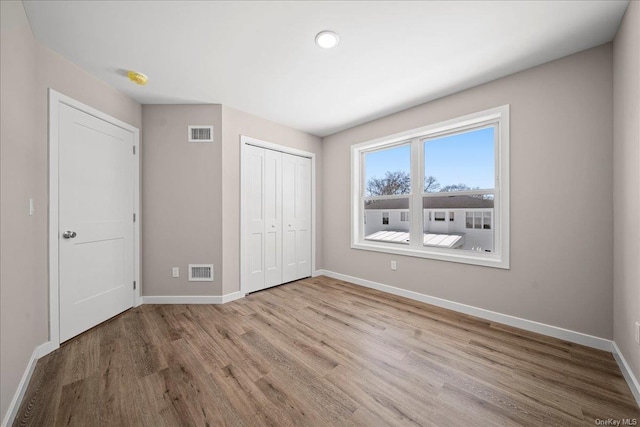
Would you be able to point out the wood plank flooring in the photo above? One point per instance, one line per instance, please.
(320, 352)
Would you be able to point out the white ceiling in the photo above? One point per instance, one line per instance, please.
(260, 57)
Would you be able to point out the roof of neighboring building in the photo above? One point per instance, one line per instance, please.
(444, 202)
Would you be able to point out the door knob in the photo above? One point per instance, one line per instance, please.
(69, 234)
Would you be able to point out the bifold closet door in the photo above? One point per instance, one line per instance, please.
(296, 217)
(277, 200)
(263, 204)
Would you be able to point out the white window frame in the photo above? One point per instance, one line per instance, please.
(499, 258)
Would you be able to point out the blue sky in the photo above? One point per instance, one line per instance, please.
(466, 158)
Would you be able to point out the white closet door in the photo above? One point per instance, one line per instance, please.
(296, 215)
(254, 210)
(273, 217)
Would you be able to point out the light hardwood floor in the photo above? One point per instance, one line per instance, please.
(320, 352)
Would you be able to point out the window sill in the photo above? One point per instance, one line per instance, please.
(450, 255)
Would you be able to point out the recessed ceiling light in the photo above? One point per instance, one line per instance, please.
(327, 39)
(137, 78)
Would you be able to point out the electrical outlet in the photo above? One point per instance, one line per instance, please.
(394, 266)
(175, 272)
(637, 332)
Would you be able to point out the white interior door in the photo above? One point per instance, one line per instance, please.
(296, 215)
(96, 205)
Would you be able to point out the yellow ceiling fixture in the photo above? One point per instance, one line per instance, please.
(137, 78)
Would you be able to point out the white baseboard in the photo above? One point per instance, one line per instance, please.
(232, 297)
(517, 322)
(634, 385)
(46, 348)
(195, 299)
(38, 352)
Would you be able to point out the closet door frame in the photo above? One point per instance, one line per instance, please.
(247, 140)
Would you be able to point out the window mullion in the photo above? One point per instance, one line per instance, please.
(497, 196)
(362, 164)
(417, 184)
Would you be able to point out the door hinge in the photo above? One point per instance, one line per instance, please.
(134, 217)
(134, 149)
(134, 285)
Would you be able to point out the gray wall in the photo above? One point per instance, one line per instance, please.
(191, 194)
(22, 272)
(181, 194)
(561, 199)
(626, 188)
(234, 124)
(27, 69)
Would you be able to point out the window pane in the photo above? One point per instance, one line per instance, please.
(464, 161)
(465, 229)
(383, 220)
(388, 172)
(477, 220)
(486, 222)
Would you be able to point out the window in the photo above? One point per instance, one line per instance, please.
(442, 191)
(387, 173)
(486, 222)
(479, 220)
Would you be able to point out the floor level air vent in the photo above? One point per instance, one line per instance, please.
(201, 272)
(200, 133)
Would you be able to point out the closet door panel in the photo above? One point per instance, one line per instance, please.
(289, 260)
(255, 223)
(273, 217)
(303, 217)
(296, 212)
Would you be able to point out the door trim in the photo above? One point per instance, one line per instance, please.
(55, 100)
(247, 140)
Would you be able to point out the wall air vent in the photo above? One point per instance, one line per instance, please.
(200, 133)
(201, 272)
